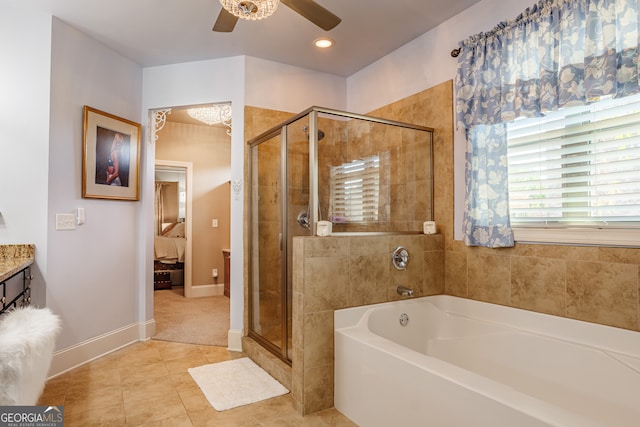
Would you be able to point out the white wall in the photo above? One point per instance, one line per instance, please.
(425, 62)
(283, 87)
(92, 271)
(25, 39)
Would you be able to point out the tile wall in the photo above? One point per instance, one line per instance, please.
(340, 272)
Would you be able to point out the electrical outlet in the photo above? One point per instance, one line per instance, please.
(214, 223)
(214, 272)
(65, 222)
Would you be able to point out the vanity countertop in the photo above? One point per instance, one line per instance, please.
(14, 258)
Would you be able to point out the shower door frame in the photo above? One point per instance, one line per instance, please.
(280, 352)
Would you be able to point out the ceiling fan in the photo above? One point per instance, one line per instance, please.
(307, 8)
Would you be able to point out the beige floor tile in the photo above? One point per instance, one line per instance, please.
(332, 417)
(194, 400)
(172, 350)
(180, 421)
(108, 417)
(54, 392)
(293, 420)
(51, 399)
(107, 376)
(232, 418)
(139, 354)
(150, 410)
(83, 397)
(151, 388)
(134, 373)
(183, 381)
(273, 408)
(176, 366)
(218, 354)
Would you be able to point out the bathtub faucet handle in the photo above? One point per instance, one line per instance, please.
(404, 291)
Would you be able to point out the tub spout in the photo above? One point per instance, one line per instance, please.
(404, 291)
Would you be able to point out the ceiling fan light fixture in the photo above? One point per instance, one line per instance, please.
(250, 9)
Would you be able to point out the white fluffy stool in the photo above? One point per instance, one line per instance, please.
(27, 341)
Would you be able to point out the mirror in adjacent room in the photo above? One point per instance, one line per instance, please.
(169, 226)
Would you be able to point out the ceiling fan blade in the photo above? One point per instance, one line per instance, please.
(314, 13)
(225, 22)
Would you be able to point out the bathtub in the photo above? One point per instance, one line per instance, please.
(446, 361)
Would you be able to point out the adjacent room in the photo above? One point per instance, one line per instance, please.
(192, 225)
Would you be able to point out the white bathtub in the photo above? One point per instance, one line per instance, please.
(459, 362)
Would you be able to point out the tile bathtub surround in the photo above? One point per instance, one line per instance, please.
(339, 272)
(594, 284)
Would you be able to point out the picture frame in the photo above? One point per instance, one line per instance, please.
(110, 156)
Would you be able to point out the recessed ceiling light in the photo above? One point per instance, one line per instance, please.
(323, 42)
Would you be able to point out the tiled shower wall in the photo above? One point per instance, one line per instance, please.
(405, 175)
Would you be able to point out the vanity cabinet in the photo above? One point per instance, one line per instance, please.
(15, 261)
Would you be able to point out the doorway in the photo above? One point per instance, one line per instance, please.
(193, 170)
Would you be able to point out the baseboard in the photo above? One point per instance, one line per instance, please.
(147, 329)
(207, 291)
(234, 338)
(79, 354)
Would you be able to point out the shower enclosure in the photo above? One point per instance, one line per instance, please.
(363, 174)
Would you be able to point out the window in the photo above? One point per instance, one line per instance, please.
(577, 168)
(355, 191)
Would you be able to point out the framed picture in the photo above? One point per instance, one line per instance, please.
(110, 156)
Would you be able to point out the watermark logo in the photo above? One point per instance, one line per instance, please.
(31, 416)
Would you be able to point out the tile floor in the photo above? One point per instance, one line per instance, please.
(147, 384)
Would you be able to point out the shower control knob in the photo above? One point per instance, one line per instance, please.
(400, 258)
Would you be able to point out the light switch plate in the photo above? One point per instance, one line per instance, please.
(65, 222)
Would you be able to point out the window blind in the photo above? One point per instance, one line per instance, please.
(578, 166)
(355, 190)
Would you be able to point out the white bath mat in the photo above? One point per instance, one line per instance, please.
(235, 383)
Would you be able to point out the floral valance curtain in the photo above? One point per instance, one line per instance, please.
(558, 53)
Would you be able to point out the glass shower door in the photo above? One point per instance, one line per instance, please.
(267, 299)
(280, 211)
